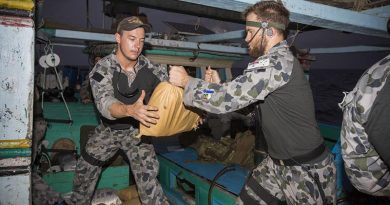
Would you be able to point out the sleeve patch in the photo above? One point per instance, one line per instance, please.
(259, 65)
(207, 94)
(255, 70)
(264, 62)
(97, 76)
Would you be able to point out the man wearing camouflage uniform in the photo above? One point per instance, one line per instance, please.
(121, 85)
(298, 169)
(365, 137)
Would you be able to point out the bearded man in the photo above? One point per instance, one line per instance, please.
(298, 167)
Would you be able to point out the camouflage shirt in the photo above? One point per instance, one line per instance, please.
(261, 77)
(357, 106)
(102, 89)
(276, 79)
(364, 131)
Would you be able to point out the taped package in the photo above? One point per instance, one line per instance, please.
(174, 116)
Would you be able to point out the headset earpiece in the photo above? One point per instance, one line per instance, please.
(267, 28)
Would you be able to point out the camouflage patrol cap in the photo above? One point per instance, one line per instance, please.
(131, 23)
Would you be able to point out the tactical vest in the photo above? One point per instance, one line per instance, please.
(144, 80)
(283, 111)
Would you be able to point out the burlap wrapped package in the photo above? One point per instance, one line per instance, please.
(174, 116)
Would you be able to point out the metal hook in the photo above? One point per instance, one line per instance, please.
(196, 53)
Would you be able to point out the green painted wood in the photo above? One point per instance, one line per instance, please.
(169, 171)
(330, 133)
(82, 114)
(115, 177)
(17, 152)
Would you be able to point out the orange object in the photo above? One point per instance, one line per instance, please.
(128, 194)
(174, 116)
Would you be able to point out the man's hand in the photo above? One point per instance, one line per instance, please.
(212, 76)
(145, 114)
(178, 76)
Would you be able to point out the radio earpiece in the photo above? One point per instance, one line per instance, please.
(266, 26)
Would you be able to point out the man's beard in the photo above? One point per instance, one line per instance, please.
(258, 51)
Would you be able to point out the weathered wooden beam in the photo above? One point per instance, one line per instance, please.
(192, 8)
(383, 11)
(80, 35)
(218, 37)
(314, 14)
(195, 46)
(348, 49)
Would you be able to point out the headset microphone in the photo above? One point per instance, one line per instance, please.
(263, 25)
(255, 35)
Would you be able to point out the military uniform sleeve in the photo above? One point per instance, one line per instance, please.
(102, 90)
(262, 77)
(159, 70)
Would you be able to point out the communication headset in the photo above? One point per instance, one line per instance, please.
(266, 26)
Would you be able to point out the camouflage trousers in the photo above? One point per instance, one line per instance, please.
(102, 146)
(272, 183)
(43, 194)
